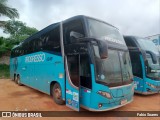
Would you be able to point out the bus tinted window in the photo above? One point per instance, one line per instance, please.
(108, 70)
(30, 47)
(26, 48)
(73, 67)
(75, 26)
(44, 38)
(51, 40)
(130, 42)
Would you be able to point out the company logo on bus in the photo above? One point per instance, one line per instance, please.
(113, 40)
(35, 58)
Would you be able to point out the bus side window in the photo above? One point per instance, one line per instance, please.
(25, 46)
(44, 38)
(30, 47)
(130, 42)
(34, 45)
(71, 26)
(51, 40)
(55, 38)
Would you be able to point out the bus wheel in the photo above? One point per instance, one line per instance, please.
(57, 94)
(18, 80)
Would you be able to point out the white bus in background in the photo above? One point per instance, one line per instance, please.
(155, 39)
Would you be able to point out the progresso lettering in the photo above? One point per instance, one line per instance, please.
(113, 40)
(35, 58)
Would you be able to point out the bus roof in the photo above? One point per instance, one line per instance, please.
(83, 17)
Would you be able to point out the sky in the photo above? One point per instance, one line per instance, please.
(131, 17)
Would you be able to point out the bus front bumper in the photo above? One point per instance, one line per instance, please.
(107, 109)
(147, 93)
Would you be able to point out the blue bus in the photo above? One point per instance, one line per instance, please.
(80, 62)
(155, 39)
(145, 60)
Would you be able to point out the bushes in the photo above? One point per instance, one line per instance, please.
(4, 71)
(3, 46)
(6, 45)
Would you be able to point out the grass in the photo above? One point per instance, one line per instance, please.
(4, 71)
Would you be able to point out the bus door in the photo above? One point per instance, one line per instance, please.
(136, 60)
(73, 81)
(85, 80)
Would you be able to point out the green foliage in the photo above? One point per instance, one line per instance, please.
(13, 27)
(19, 28)
(18, 31)
(7, 11)
(3, 47)
(4, 71)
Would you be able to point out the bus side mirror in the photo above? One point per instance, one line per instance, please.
(74, 36)
(103, 49)
(153, 56)
(102, 46)
(148, 69)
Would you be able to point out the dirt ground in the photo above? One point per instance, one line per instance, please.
(23, 98)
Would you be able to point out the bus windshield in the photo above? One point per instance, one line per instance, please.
(114, 69)
(153, 70)
(104, 31)
(148, 45)
(126, 66)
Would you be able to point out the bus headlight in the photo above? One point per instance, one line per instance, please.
(151, 85)
(105, 94)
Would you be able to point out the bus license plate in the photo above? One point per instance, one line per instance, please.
(123, 101)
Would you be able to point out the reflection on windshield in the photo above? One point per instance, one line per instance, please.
(148, 45)
(153, 70)
(101, 30)
(126, 66)
(109, 70)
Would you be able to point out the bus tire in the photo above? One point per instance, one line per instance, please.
(57, 94)
(15, 79)
(18, 80)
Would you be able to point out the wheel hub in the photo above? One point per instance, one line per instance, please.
(57, 93)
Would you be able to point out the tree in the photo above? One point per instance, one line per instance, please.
(17, 31)
(7, 11)
(3, 47)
